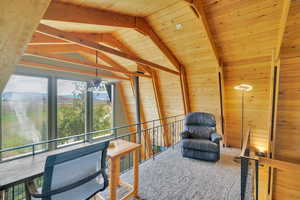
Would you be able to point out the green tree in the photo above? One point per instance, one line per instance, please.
(102, 117)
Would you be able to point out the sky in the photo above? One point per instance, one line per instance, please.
(29, 84)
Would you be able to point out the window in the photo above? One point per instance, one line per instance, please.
(24, 112)
(24, 115)
(102, 110)
(70, 108)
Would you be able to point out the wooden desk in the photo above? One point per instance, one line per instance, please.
(20, 170)
(121, 148)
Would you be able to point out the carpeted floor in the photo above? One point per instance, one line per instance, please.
(172, 177)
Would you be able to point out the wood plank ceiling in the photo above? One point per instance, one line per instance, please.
(203, 39)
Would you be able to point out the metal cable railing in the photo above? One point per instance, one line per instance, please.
(154, 134)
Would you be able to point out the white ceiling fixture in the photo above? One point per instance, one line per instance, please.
(179, 26)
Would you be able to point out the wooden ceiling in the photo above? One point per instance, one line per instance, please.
(137, 7)
(243, 31)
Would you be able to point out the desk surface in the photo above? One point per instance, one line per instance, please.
(19, 170)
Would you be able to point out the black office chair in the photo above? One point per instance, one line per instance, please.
(74, 175)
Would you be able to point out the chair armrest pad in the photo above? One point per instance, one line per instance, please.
(185, 134)
(215, 137)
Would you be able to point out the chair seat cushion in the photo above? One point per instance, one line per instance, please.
(200, 145)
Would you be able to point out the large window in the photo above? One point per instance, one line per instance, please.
(70, 107)
(102, 110)
(71, 111)
(24, 112)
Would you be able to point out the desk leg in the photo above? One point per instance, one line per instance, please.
(114, 177)
(136, 172)
(2, 195)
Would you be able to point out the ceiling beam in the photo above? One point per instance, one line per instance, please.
(68, 70)
(64, 59)
(93, 45)
(77, 14)
(159, 105)
(42, 39)
(282, 24)
(198, 7)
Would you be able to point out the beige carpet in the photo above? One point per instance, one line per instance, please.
(172, 177)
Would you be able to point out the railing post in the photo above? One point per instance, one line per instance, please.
(244, 174)
(153, 140)
(256, 178)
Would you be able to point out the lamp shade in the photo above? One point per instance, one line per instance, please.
(243, 87)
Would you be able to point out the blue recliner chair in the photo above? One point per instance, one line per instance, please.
(199, 139)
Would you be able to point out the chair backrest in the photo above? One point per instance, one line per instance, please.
(200, 124)
(73, 167)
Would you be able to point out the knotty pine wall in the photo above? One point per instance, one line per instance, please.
(256, 105)
(287, 140)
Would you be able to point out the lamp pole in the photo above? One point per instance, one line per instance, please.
(244, 88)
(242, 131)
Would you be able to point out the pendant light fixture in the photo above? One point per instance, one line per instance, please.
(95, 85)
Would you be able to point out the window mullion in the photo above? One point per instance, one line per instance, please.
(52, 111)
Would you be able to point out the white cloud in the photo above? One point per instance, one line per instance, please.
(27, 84)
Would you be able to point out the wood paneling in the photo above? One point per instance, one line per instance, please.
(138, 7)
(287, 143)
(244, 29)
(256, 109)
(191, 47)
(16, 28)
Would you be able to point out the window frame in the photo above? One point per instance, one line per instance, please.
(52, 106)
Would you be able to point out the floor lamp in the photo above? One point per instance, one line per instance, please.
(243, 88)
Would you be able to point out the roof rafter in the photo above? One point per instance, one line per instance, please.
(198, 7)
(63, 69)
(78, 14)
(282, 24)
(82, 63)
(56, 33)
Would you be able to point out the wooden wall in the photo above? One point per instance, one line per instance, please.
(287, 146)
(256, 105)
(191, 47)
(287, 140)
(18, 20)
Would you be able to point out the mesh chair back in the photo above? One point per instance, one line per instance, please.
(79, 167)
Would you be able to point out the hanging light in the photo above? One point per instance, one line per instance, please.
(95, 85)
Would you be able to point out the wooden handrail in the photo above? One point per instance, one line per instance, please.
(245, 143)
(279, 164)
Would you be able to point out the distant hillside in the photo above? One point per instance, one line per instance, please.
(38, 96)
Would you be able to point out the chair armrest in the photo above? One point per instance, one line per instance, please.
(185, 134)
(215, 137)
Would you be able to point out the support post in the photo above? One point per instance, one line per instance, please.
(138, 110)
(52, 111)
